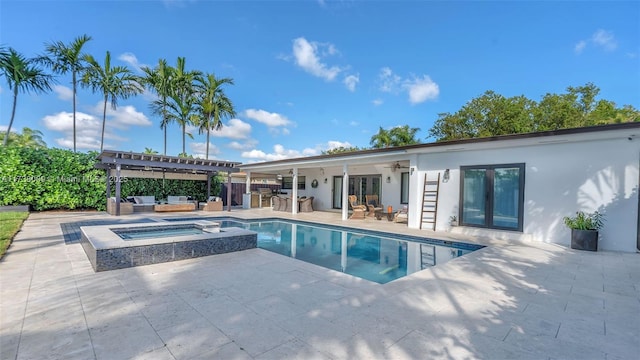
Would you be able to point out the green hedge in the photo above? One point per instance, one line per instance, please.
(61, 179)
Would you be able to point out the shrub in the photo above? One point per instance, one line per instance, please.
(585, 221)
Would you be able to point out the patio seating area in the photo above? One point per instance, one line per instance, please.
(508, 300)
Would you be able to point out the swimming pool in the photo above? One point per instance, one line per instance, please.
(371, 255)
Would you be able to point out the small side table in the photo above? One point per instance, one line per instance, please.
(380, 213)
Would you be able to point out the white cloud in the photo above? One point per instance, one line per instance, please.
(122, 117)
(334, 144)
(377, 102)
(246, 145)
(131, 60)
(199, 149)
(233, 129)
(421, 89)
(354, 123)
(64, 93)
(601, 38)
(307, 56)
(389, 82)
(604, 39)
(89, 127)
(351, 81)
(267, 118)
(279, 153)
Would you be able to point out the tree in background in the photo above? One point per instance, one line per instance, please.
(27, 138)
(149, 151)
(181, 103)
(396, 136)
(492, 114)
(213, 105)
(113, 83)
(159, 79)
(64, 58)
(340, 149)
(22, 75)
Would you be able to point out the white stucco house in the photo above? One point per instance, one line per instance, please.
(507, 187)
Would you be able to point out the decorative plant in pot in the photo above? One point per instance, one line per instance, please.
(584, 230)
(453, 220)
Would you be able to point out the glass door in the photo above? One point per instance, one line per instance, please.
(474, 197)
(337, 192)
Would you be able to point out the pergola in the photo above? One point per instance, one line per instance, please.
(119, 164)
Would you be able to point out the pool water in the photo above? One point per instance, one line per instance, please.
(369, 256)
(157, 232)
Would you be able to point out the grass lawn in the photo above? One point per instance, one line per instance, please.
(10, 223)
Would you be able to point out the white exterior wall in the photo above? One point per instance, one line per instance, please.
(560, 179)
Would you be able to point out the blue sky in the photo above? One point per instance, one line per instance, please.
(312, 75)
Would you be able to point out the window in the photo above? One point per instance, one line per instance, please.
(287, 182)
(492, 196)
(404, 188)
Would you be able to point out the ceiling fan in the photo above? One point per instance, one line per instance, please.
(395, 166)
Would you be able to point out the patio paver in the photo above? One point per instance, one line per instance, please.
(508, 300)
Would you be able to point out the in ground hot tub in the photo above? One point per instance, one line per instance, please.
(111, 247)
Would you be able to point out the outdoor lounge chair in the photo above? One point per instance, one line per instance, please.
(402, 215)
(359, 211)
(373, 204)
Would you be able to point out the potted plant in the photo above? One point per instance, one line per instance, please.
(453, 220)
(584, 230)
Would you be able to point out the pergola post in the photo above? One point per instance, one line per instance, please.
(294, 192)
(118, 190)
(208, 186)
(345, 192)
(108, 183)
(229, 191)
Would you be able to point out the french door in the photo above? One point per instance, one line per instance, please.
(359, 185)
(492, 196)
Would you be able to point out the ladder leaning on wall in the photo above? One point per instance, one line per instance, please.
(429, 212)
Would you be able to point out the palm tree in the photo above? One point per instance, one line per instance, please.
(382, 139)
(149, 151)
(114, 83)
(159, 80)
(22, 75)
(68, 58)
(403, 135)
(180, 104)
(28, 138)
(213, 105)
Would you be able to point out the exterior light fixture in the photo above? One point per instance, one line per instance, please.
(388, 179)
(445, 178)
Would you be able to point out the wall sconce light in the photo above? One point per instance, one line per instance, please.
(388, 179)
(291, 172)
(445, 178)
(321, 171)
(325, 180)
(412, 170)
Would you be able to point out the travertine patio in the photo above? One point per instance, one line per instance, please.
(509, 300)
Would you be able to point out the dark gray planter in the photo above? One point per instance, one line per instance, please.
(584, 240)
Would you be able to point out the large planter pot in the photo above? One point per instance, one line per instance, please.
(584, 240)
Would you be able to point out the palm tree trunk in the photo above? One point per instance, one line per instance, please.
(184, 131)
(206, 156)
(13, 114)
(104, 121)
(74, 111)
(165, 139)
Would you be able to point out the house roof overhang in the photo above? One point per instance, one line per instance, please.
(601, 132)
